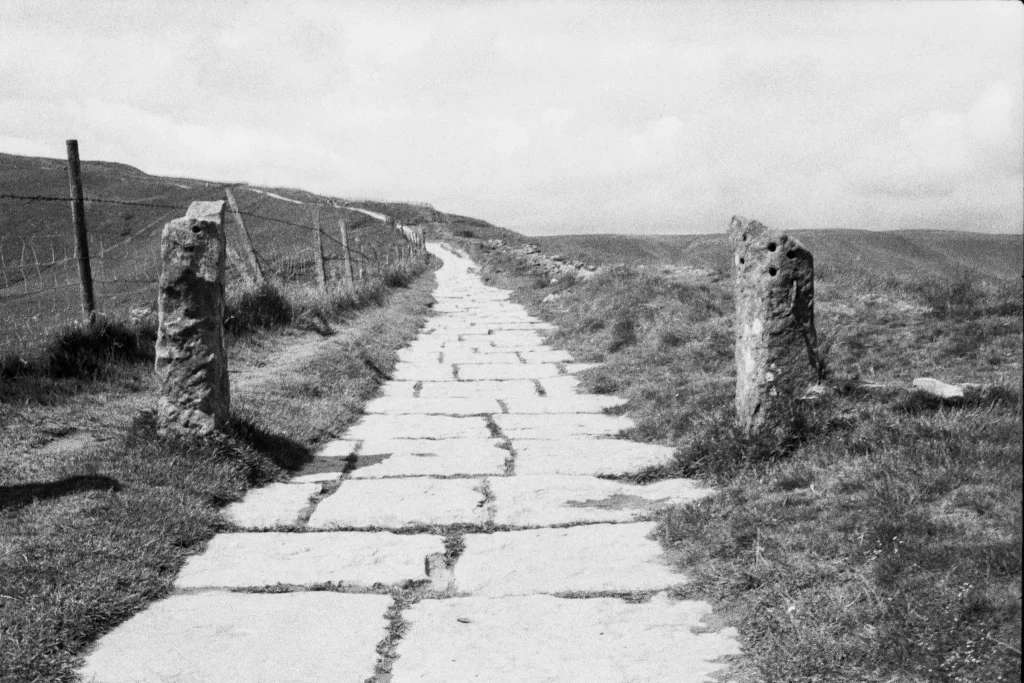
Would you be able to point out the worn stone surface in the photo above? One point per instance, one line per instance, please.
(553, 500)
(545, 355)
(260, 638)
(776, 341)
(561, 426)
(594, 558)
(400, 503)
(545, 639)
(252, 560)
(578, 403)
(191, 361)
(277, 504)
(560, 386)
(507, 371)
(596, 457)
(316, 477)
(483, 389)
(418, 427)
(419, 372)
(432, 406)
(428, 457)
(339, 448)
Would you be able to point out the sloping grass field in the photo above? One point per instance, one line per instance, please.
(882, 542)
(39, 282)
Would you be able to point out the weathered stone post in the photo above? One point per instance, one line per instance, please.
(775, 338)
(191, 362)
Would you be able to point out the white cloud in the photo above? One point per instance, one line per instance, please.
(563, 116)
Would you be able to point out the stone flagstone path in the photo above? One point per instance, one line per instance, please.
(459, 532)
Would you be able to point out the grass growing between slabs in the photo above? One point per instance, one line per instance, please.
(98, 512)
(882, 542)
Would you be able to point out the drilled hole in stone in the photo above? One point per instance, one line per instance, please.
(771, 246)
(197, 228)
(772, 271)
(742, 260)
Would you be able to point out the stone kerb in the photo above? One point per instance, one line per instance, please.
(191, 361)
(775, 337)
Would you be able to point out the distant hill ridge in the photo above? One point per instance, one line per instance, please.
(917, 252)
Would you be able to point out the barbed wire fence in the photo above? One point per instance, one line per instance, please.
(41, 284)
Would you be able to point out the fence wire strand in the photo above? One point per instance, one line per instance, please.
(40, 286)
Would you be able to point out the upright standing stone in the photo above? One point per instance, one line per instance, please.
(191, 362)
(775, 337)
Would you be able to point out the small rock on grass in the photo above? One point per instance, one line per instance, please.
(934, 387)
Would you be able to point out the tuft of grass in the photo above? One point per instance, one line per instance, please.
(252, 308)
(83, 351)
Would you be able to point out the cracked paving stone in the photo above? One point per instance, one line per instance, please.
(400, 503)
(596, 457)
(260, 638)
(561, 425)
(545, 639)
(593, 558)
(256, 560)
(551, 500)
(278, 504)
(418, 427)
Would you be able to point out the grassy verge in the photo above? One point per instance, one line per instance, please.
(98, 512)
(883, 542)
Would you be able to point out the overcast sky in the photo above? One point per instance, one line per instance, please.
(554, 117)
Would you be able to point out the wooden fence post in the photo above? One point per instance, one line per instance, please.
(321, 270)
(346, 255)
(250, 253)
(81, 237)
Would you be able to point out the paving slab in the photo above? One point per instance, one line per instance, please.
(596, 457)
(502, 342)
(475, 358)
(593, 558)
(514, 370)
(545, 639)
(398, 389)
(418, 427)
(277, 504)
(545, 355)
(439, 447)
(401, 503)
(443, 461)
(458, 465)
(222, 637)
(339, 448)
(563, 385)
(432, 406)
(561, 425)
(317, 477)
(577, 403)
(255, 560)
(424, 356)
(552, 499)
(487, 389)
(422, 372)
